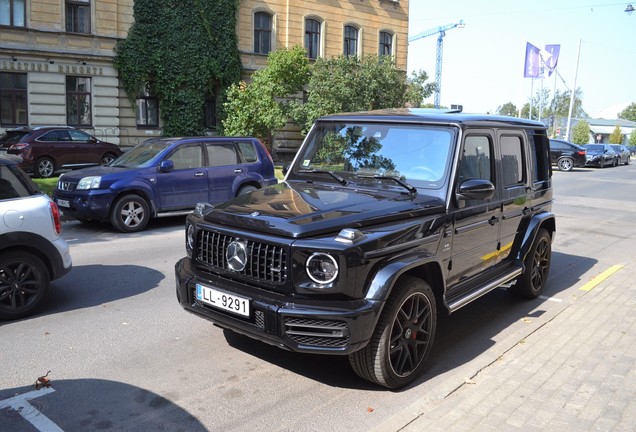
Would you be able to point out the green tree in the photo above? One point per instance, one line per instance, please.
(261, 107)
(183, 51)
(560, 104)
(629, 113)
(581, 133)
(508, 109)
(342, 84)
(418, 89)
(616, 137)
(632, 139)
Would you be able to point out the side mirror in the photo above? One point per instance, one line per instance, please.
(166, 166)
(286, 168)
(476, 189)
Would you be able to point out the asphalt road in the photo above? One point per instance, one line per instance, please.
(124, 356)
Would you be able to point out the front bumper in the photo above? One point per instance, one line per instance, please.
(89, 205)
(311, 326)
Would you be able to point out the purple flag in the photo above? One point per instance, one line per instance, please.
(532, 67)
(551, 61)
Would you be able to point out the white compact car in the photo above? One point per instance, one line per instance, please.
(32, 253)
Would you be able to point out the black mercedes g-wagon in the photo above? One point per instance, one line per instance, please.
(384, 219)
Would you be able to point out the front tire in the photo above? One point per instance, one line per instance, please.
(44, 167)
(566, 164)
(24, 280)
(403, 338)
(107, 158)
(532, 281)
(130, 213)
(245, 190)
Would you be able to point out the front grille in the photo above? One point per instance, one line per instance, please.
(66, 186)
(264, 262)
(317, 332)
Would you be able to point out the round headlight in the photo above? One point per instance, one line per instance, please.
(322, 268)
(190, 237)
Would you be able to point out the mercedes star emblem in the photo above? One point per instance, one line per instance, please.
(236, 255)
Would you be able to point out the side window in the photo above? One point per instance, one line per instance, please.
(78, 16)
(221, 155)
(248, 151)
(13, 98)
(12, 13)
(78, 136)
(512, 161)
(540, 157)
(312, 38)
(55, 136)
(386, 44)
(350, 41)
(476, 160)
(78, 101)
(147, 107)
(209, 112)
(262, 33)
(10, 185)
(187, 157)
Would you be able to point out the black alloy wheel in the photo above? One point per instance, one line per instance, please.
(532, 281)
(24, 280)
(403, 338)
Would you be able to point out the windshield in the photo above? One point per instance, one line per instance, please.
(367, 152)
(142, 155)
(594, 148)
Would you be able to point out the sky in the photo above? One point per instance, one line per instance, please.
(483, 63)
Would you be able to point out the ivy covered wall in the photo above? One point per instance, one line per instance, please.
(185, 49)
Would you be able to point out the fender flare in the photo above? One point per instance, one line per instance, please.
(545, 220)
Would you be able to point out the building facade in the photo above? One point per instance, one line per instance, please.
(56, 56)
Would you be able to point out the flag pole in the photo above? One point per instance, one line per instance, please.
(576, 72)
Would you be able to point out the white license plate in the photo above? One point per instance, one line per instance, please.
(63, 203)
(222, 300)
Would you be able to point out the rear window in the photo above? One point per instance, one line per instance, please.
(9, 138)
(15, 184)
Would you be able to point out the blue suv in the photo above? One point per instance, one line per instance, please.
(165, 176)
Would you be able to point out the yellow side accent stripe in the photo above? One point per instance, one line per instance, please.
(600, 278)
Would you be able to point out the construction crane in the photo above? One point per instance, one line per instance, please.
(440, 46)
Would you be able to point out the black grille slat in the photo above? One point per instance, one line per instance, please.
(317, 332)
(266, 262)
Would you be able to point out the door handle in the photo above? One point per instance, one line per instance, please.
(238, 170)
(198, 174)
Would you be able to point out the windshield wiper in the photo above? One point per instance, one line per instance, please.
(412, 189)
(341, 180)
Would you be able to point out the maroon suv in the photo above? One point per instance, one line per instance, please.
(46, 149)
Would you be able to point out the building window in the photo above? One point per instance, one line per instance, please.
(262, 33)
(12, 13)
(78, 16)
(13, 99)
(78, 101)
(350, 41)
(386, 44)
(209, 112)
(147, 108)
(312, 38)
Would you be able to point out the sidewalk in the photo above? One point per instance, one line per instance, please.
(575, 373)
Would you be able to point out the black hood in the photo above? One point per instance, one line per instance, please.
(302, 209)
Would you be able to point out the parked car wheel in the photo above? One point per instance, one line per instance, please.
(130, 213)
(108, 158)
(537, 265)
(24, 281)
(44, 167)
(565, 164)
(403, 338)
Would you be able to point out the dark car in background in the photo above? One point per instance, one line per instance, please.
(47, 149)
(600, 155)
(165, 176)
(566, 155)
(623, 152)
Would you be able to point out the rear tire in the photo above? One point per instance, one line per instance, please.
(245, 190)
(403, 338)
(107, 158)
(44, 167)
(532, 281)
(565, 164)
(24, 280)
(130, 213)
